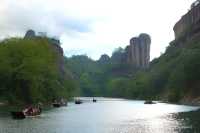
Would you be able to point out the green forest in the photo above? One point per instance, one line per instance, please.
(29, 72)
(100, 78)
(174, 76)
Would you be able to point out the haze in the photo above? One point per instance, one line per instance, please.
(94, 27)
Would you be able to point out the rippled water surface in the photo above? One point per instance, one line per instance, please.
(112, 116)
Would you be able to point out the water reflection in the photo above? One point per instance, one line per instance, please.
(104, 117)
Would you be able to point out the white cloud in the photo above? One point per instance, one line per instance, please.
(94, 27)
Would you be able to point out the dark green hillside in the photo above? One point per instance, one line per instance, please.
(88, 74)
(29, 72)
(173, 76)
(100, 78)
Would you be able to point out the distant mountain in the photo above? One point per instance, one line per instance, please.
(94, 77)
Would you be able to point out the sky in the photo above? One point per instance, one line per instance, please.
(94, 27)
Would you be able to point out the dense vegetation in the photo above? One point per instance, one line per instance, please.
(29, 72)
(100, 78)
(173, 76)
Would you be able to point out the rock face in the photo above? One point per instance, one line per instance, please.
(189, 24)
(59, 51)
(104, 59)
(29, 34)
(138, 52)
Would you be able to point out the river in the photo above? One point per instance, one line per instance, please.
(106, 116)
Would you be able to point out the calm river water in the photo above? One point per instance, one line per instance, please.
(111, 116)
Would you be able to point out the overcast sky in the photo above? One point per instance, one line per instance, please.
(94, 27)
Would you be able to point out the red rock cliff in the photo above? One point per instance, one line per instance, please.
(189, 24)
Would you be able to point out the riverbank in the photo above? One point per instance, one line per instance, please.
(186, 100)
(190, 101)
(191, 120)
